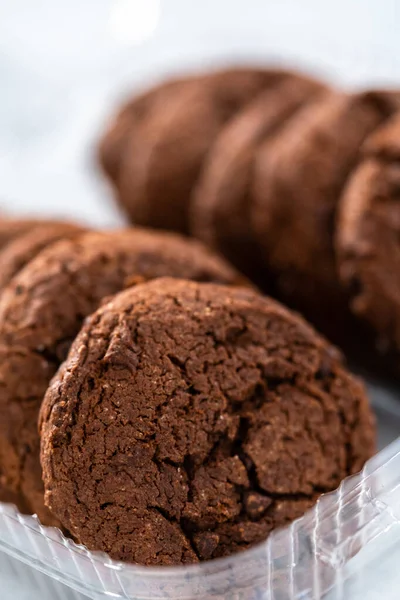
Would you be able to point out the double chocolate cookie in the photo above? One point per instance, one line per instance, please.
(368, 236)
(113, 144)
(12, 228)
(189, 420)
(222, 200)
(254, 163)
(299, 179)
(20, 241)
(28, 244)
(42, 310)
(165, 147)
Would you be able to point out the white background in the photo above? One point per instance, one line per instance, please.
(65, 64)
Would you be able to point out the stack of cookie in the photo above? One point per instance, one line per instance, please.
(293, 182)
(53, 286)
(182, 415)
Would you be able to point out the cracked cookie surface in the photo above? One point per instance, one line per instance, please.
(191, 419)
(42, 310)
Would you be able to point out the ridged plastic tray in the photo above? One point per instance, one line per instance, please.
(340, 549)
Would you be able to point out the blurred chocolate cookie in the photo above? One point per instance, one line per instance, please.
(221, 205)
(164, 157)
(299, 178)
(113, 144)
(26, 246)
(12, 228)
(368, 236)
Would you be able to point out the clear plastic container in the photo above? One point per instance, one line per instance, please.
(348, 546)
(63, 67)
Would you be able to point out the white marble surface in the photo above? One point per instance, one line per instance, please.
(63, 65)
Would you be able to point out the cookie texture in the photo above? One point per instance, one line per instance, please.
(368, 236)
(11, 229)
(254, 163)
(26, 246)
(191, 419)
(41, 311)
(124, 125)
(162, 161)
(299, 179)
(221, 205)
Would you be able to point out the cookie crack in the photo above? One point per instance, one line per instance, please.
(180, 522)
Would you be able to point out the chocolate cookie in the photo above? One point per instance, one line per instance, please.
(299, 178)
(10, 228)
(41, 311)
(113, 143)
(163, 160)
(189, 420)
(25, 247)
(220, 208)
(368, 236)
